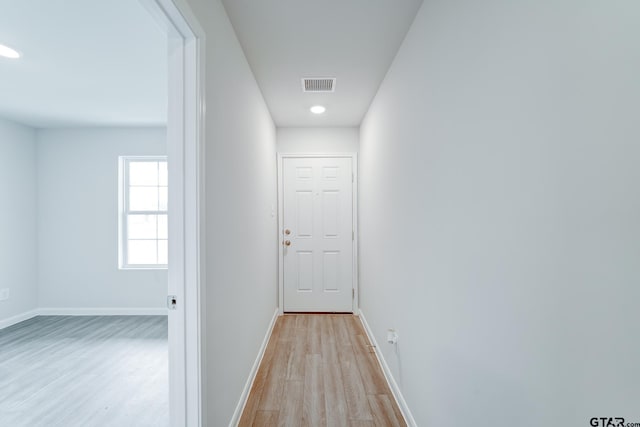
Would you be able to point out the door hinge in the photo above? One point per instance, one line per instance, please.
(353, 235)
(353, 293)
(172, 302)
(353, 178)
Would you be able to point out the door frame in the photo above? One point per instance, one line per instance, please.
(280, 235)
(185, 149)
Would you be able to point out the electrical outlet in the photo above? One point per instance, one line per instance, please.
(4, 294)
(392, 336)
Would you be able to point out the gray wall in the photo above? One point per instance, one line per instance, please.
(500, 212)
(241, 227)
(318, 140)
(78, 220)
(17, 219)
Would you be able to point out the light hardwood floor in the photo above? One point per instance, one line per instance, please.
(320, 370)
(85, 371)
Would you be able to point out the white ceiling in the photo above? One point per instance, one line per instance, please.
(103, 63)
(352, 40)
(85, 63)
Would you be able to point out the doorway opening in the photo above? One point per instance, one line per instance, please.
(185, 142)
(78, 296)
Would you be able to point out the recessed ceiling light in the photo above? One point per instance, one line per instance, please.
(7, 52)
(318, 109)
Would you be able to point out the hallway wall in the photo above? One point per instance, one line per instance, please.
(18, 238)
(500, 207)
(241, 226)
(318, 140)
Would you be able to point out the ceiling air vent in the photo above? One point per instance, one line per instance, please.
(322, 84)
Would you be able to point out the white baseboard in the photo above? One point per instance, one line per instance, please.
(102, 311)
(18, 318)
(397, 394)
(254, 371)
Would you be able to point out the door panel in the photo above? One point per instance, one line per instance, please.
(305, 271)
(318, 213)
(304, 215)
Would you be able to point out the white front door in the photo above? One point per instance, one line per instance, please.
(317, 234)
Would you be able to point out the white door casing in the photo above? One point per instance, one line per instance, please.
(185, 145)
(317, 234)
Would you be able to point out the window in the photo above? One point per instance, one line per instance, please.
(143, 212)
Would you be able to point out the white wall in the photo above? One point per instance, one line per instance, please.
(78, 220)
(241, 224)
(318, 140)
(17, 218)
(500, 212)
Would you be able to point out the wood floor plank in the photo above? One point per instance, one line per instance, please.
(340, 328)
(302, 321)
(335, 400)
(370, 371)
(291, 408)
(371, 374)
(355, 325)
(273, 390)
(361, 423)
(354, 391)
(383, 412)
(266, 419)
(314, 414)
(296, 360)
(326, 330)
(314, 345)
(287, 327)
(361, 343)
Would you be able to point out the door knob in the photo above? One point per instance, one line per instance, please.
(287, 242)
(287, 231)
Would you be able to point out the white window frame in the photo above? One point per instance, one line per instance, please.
(123, 208)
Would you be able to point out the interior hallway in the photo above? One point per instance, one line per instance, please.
(320, 370)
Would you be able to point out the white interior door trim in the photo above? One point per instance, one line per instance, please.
(354, 164)
(185, 147)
